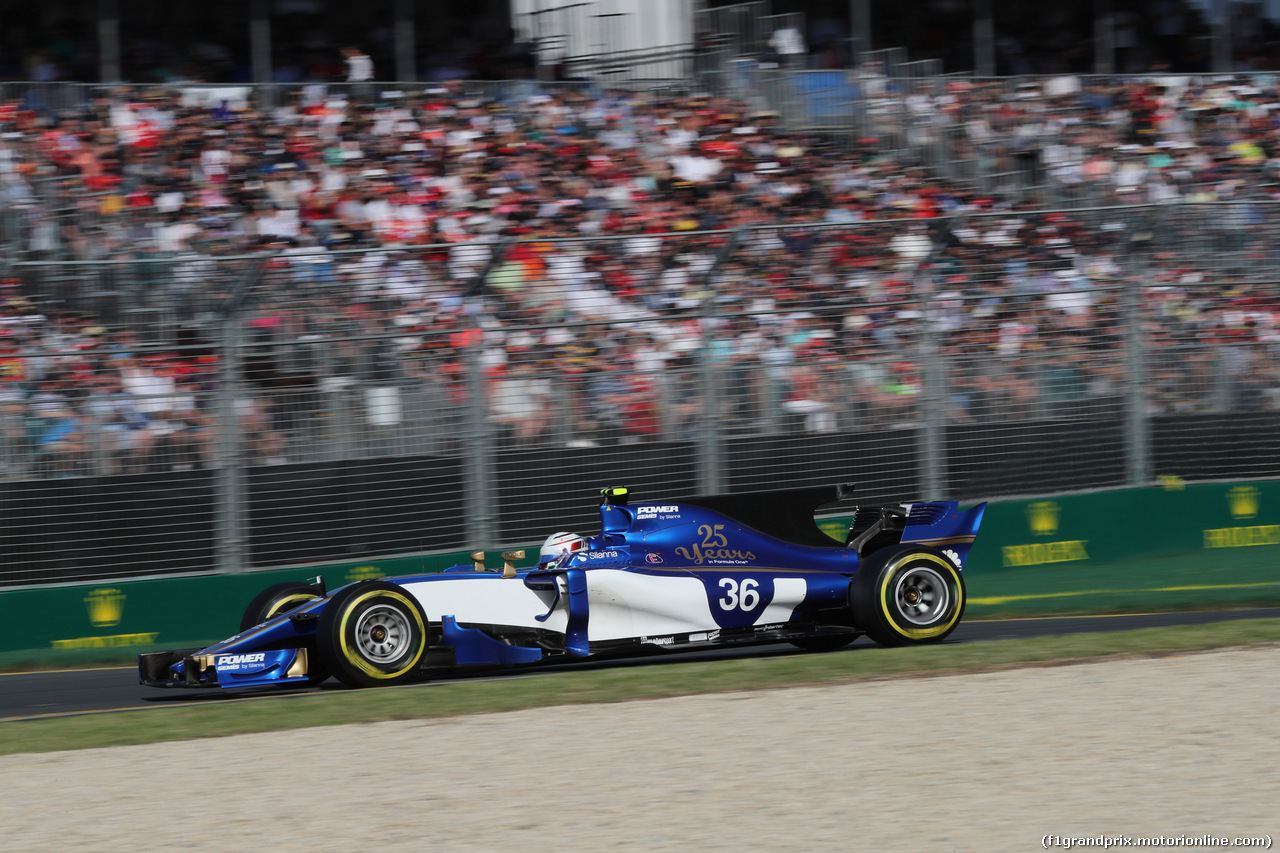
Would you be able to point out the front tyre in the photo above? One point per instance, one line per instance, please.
(281, 598)
(372, 634)
(276, 599)
(908, 595)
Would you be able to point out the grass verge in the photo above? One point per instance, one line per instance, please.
(674, 677)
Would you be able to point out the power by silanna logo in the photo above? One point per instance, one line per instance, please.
(105, 606)
(1042, 516)
(1243, 501)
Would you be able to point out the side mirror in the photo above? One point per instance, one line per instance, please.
(478, 557)
(508, 570)
(615, 496)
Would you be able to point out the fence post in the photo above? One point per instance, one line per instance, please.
(1138, 471)
(933, 417)
(230, 495)
(230, 510)
(931, 447)
(478, 492)
(710, 451)
(710, 458)
(480, 496)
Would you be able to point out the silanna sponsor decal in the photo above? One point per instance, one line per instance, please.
(667, 511)
(714, 548)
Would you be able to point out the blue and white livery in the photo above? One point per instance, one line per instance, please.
(660, 576)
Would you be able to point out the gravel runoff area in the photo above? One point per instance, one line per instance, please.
(1186, 745)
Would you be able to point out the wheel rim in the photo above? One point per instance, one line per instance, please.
(382, 634)
(922, 595)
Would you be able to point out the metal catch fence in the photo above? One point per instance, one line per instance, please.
(203, 412)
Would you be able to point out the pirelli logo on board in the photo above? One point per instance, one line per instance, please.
(1244, 502)
(1042, 520)
(1242, 537)
(1045, 552)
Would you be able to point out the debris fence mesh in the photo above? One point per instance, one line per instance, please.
(205, 411)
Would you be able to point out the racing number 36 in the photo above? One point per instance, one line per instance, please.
(739, 596)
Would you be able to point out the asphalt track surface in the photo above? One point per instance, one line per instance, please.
(29, 695)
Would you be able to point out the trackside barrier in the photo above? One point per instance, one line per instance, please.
(1174, 546)
(88, 621)
(1109, 526)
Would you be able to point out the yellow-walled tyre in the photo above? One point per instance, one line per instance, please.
(276, 599)
(372, 634)
(908, 595)
(281, 598)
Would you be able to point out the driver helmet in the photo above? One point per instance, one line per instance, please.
(557, 546)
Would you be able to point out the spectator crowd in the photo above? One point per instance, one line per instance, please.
(623, 266)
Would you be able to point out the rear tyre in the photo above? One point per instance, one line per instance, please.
(281, 598)
(372, 634)
(908, 595)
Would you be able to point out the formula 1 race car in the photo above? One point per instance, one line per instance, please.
(717, 571)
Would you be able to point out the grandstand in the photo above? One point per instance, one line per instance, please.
(291, 41)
